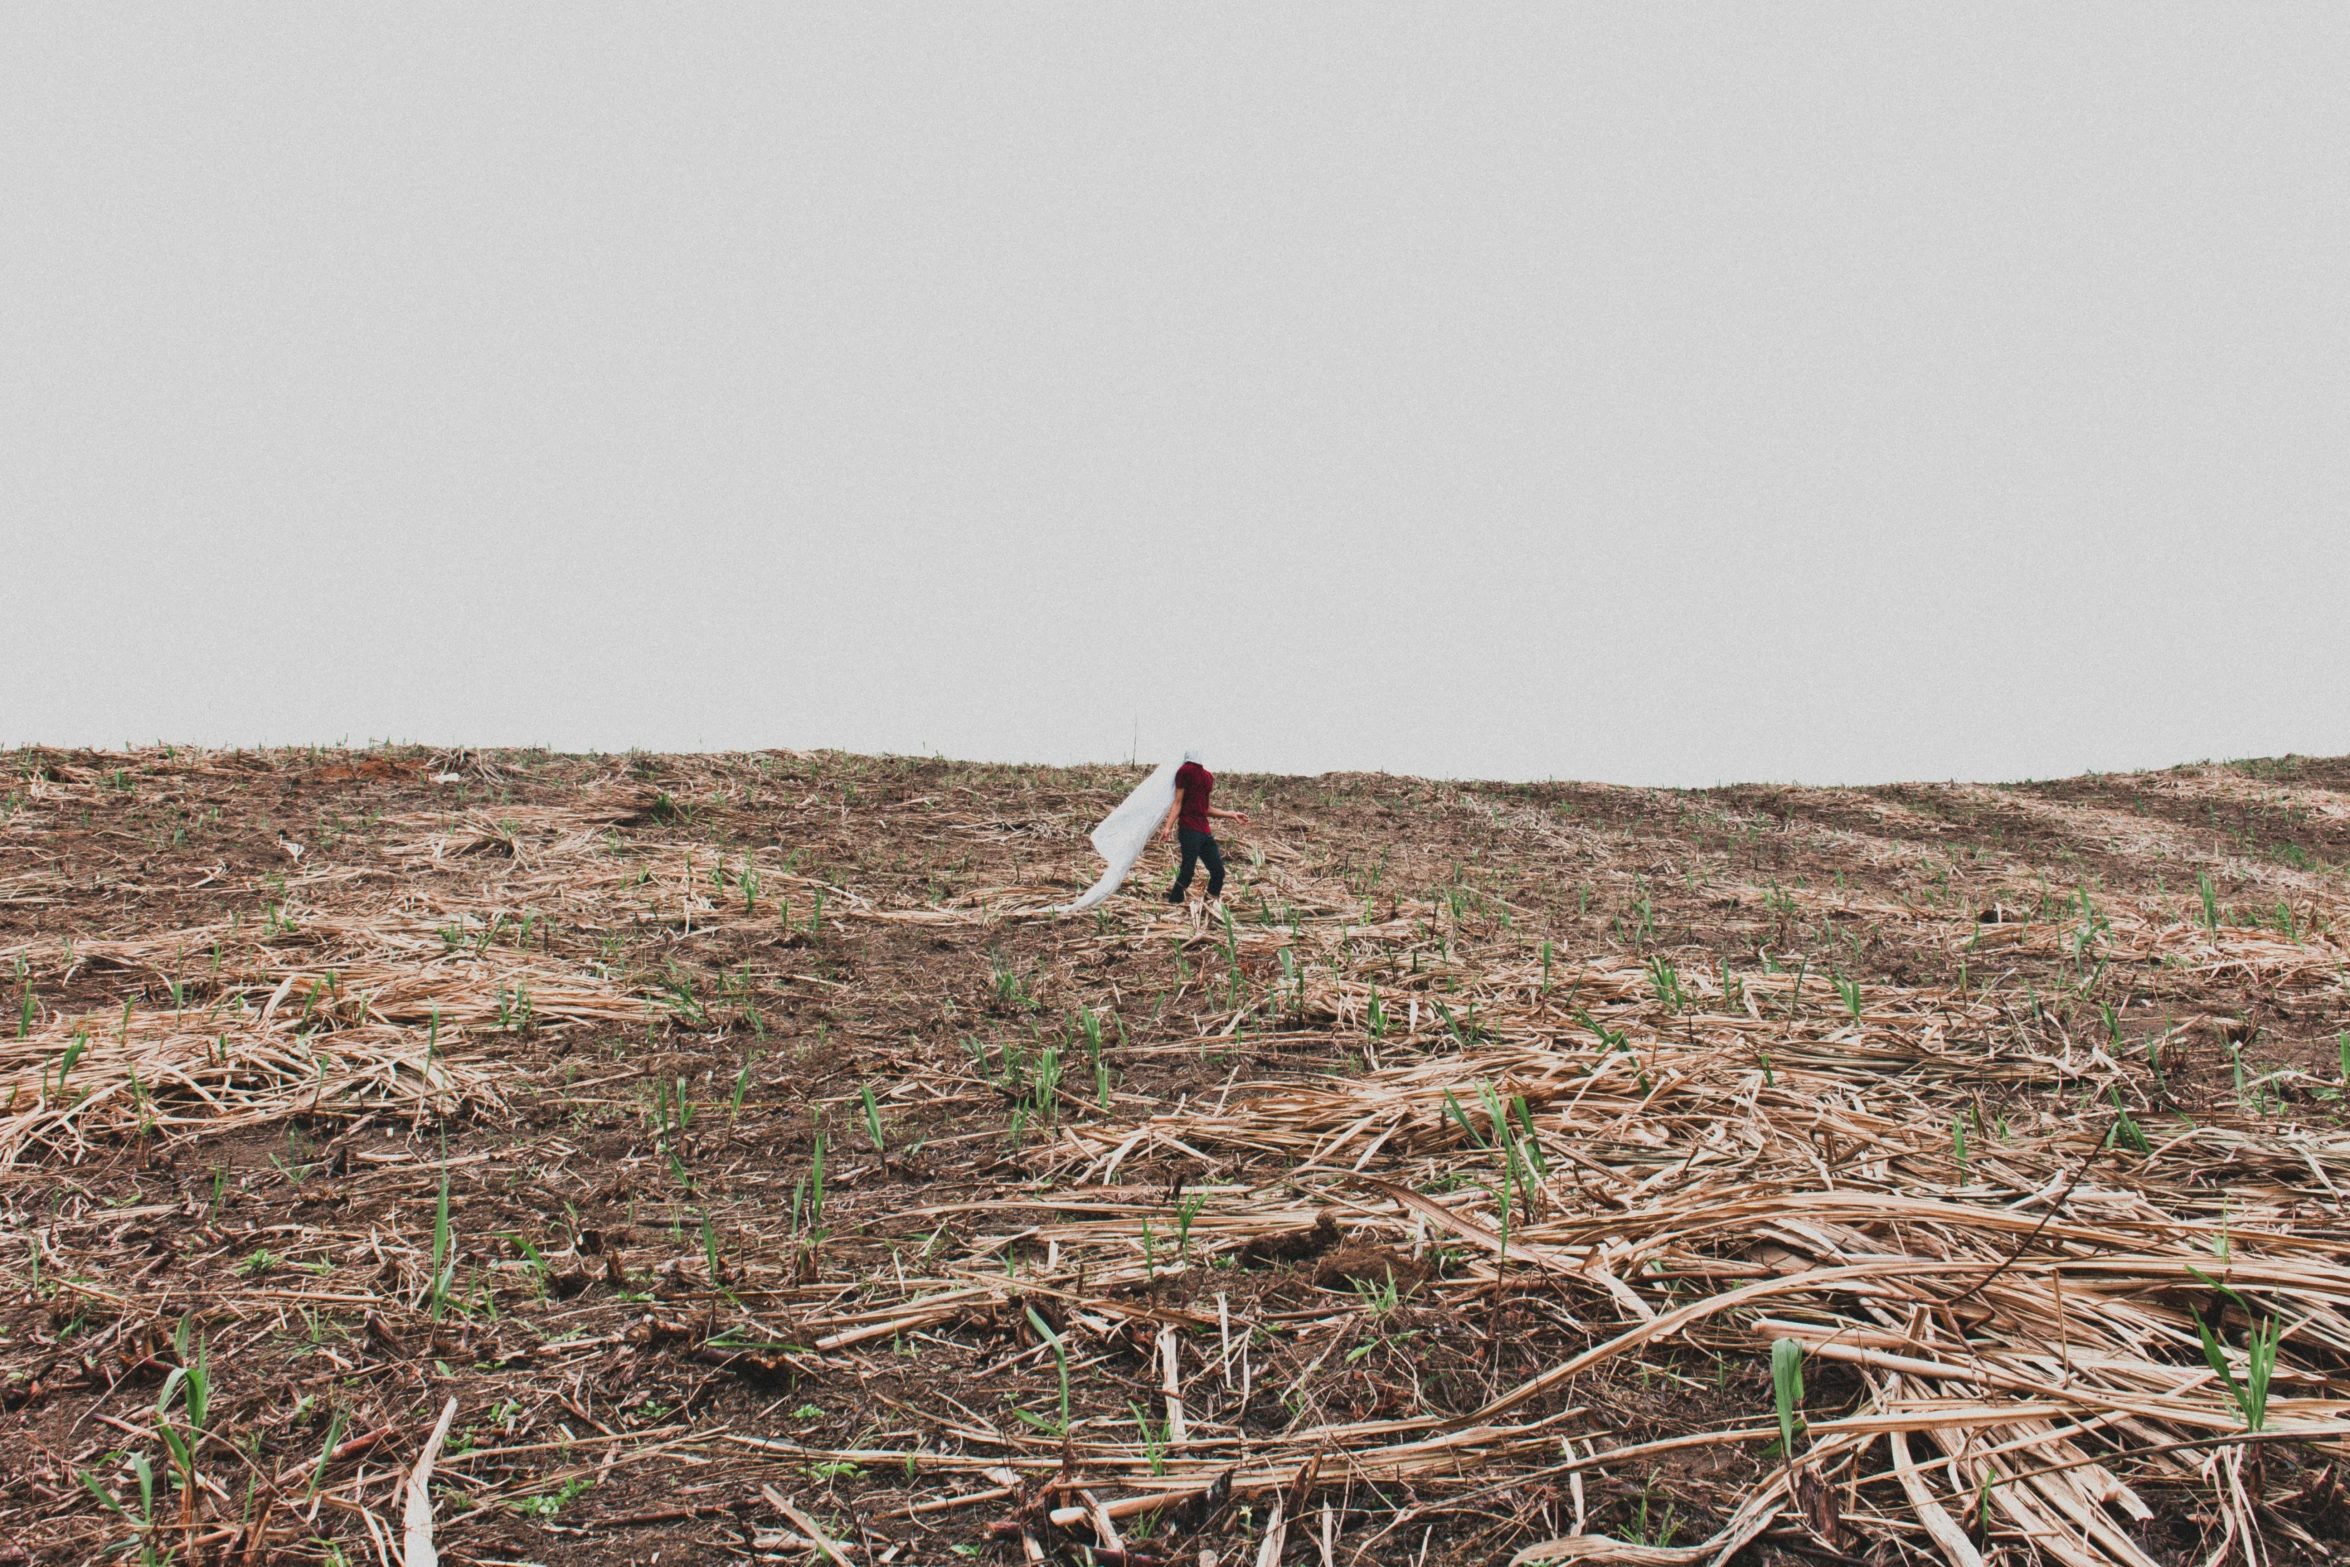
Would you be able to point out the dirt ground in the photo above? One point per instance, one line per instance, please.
(746, 1153)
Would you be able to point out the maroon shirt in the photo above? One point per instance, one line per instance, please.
(1195, 781)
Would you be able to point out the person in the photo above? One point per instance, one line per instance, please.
(1190, 821)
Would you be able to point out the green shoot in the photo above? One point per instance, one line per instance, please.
(326, 1453)
(145, 1522)
(1517, 1167)
(1787, 1390)
(1661, 1537)
(1379, 1300)
(1061, 1358)
(73, 1053)
(1047, 1083)
(1532, 1145)
(2126, 1132)
(99, 1491)
(1614, 1039)
(1185, 1212)
(1154, 1438)
(1453, 1106)
(444, 1266)
(816, 1183)
(2260, 1356)
(1666, 981)
(193, 1378)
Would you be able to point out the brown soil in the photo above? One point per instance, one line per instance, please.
(635, 1301)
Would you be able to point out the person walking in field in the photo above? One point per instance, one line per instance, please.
(1190, 822)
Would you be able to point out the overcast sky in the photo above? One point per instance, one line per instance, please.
(1668, 394)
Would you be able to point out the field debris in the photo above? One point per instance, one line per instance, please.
(567, 1158)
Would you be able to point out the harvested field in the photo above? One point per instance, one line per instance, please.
(727, 1158)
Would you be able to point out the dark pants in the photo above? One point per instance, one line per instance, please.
(1198, 846)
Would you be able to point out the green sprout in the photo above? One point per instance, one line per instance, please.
(1060, 1351)
(1787, 1390)
(444, 1266)
(2126, 1132)
(1185, 1212)
(1154, 1438)
(2260, 1356)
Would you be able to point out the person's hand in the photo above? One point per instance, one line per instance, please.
(1240, 817)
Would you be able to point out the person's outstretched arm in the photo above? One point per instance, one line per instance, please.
(1230, 816)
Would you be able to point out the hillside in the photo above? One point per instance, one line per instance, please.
(746, 1153)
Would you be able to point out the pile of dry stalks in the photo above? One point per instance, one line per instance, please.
(2061, 1308)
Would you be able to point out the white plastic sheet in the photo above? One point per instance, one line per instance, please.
(1126, 832)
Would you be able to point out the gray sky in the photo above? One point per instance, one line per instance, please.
(1652, 393)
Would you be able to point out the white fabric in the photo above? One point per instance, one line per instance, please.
(1126, 832)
